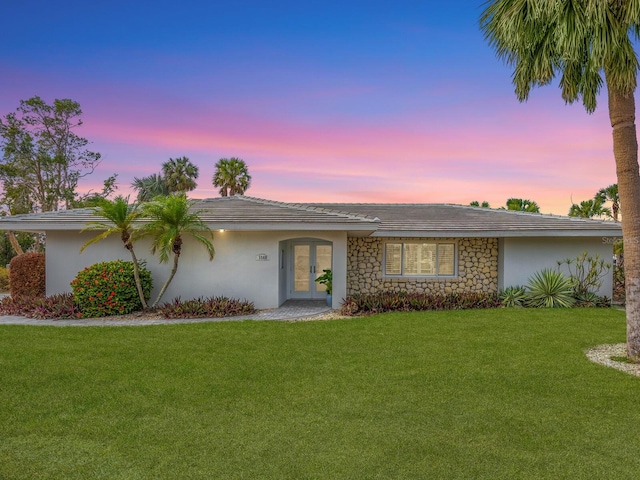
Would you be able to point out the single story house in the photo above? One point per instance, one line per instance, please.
(268, 252)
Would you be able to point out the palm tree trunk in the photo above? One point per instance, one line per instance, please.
(14, 243)
(176, 257)
(625, 149)
(136, 276)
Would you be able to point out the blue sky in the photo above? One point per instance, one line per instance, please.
(325, 101)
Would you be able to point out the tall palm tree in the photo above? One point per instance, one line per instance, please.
(150, 187)
(580, 41)
(589, 209)
(117, 218)
(180, 174)
(522, 205)
(231, 176)
(610, 194)
(169, 219)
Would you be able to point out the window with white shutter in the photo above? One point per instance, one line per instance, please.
(420, 259)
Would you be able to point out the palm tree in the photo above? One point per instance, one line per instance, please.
(589, 209)
(610, 194)
(582, 40)
(118, 217)
(522, 205)
(169, 219)
(150, 187)
(180, 174)
(232, 176)
(13, 240)
(476, 203)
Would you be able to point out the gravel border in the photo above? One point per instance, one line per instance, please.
(602, 354)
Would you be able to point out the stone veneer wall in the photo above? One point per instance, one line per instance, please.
(477, 267)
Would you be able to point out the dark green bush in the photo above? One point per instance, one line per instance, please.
(603, 302)
(405, 302)
(108, 288)
(55, 307)
(591, 300)
(27, 275)
(212, 307)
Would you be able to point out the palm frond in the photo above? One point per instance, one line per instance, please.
(577, 40)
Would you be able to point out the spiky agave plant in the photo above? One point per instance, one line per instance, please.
(513, 296)
(551, 289)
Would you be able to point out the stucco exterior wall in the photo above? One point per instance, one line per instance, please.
(64, 260)
(522, 257)
(477, 261)
(234, 272)
(483, 264)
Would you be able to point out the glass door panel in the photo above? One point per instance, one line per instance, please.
(323, 262)
(309, 260)
(302, 268)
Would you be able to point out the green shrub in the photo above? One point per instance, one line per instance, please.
(514, 296)
(406, 302)
(108, 288)
(4, 279)
(55, 307)
(550, 288)
(27, 275)
(212, 307)
(586, 273)
(587, 299)
(603, 302)
(591, 300)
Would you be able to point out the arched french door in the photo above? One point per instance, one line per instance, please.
(308, 258)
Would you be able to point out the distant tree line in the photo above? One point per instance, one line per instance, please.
(516, 204)
(605, 203)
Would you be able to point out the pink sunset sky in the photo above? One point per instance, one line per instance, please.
(325, 101)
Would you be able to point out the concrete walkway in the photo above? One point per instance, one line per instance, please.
(290, 310)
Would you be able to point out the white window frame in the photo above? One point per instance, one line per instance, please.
(437, 243)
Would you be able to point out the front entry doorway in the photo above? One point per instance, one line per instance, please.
(308, 260)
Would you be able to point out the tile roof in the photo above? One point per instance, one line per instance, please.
(240, 210)
(442, 220)
(234, 213)
(409, 220)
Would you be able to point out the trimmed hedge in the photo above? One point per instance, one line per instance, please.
(109, 288)
(27, 275)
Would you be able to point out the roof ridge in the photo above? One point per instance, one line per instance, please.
(308, 208)
(545, 215)
(471, 207)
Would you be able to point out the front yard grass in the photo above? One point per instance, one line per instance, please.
(465, 394)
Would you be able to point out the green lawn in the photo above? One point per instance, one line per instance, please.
(474, 394)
